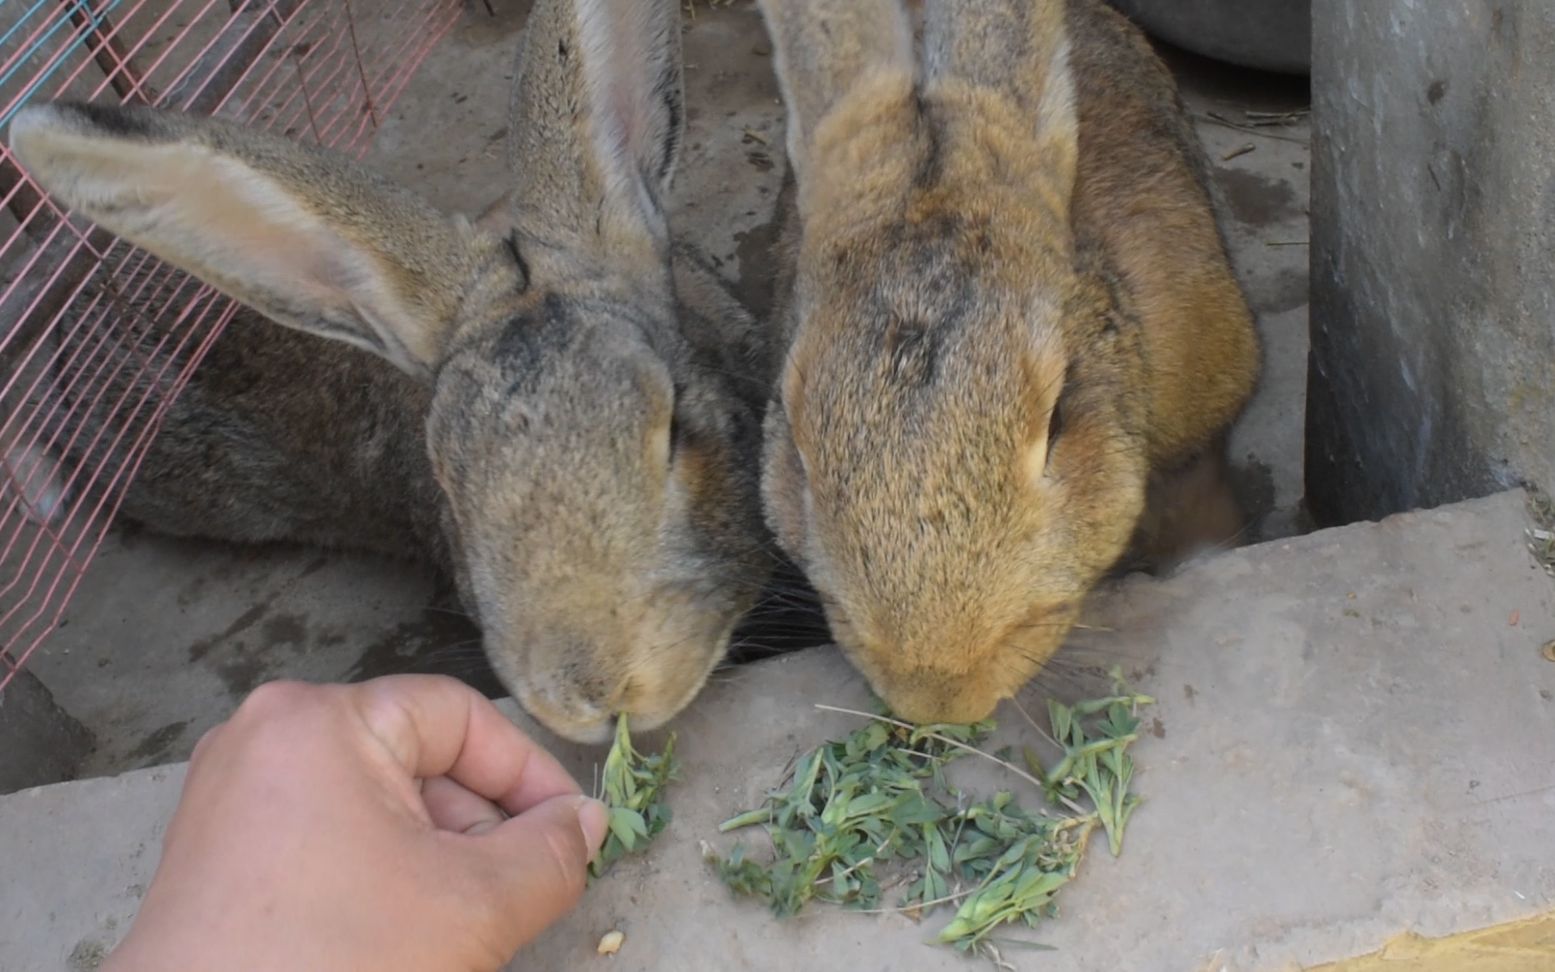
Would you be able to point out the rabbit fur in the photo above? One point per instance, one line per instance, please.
(559, 404)
(1011, 324)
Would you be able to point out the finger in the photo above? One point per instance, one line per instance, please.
(437, 726)
(539, 861)
(453, 807)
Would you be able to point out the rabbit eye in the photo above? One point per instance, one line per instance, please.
(675, 423)
(518, 259)
(1055, 423)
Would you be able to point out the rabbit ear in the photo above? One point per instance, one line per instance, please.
(597, 117)
(309, 240)
(1019, 47)
(632, 73)
(825, 49)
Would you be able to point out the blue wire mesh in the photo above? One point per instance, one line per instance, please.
(43, 41)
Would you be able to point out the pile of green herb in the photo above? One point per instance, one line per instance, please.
(872, 811)
(631, 785)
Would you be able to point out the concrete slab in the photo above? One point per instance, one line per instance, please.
(1355, 738)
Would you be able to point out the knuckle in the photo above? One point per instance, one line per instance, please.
(203, 744)
(276, 697)
(281, 709)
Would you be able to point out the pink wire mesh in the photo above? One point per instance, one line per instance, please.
(92, 326)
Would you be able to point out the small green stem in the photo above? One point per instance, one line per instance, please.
(747, 819)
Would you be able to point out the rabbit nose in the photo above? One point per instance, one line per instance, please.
(558, 704)
(599, 698)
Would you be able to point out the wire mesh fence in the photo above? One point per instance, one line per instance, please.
(92, 326)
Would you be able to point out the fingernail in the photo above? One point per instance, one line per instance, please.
(595, 820)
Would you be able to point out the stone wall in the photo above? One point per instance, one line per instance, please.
(1432, 372)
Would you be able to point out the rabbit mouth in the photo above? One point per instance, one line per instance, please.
(939, 706)
(925, 697)
(575, 710)
(574, 720)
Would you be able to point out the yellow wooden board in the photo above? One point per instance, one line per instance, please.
(1522, 946)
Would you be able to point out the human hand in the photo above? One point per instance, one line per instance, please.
(400, 823)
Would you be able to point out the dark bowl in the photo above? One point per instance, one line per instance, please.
(1270, 35)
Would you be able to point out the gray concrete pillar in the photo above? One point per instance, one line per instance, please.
(1432, 371)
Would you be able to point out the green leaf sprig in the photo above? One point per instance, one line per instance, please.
(859, 814)
(631, 786)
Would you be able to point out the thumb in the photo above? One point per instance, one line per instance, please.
(541, 860)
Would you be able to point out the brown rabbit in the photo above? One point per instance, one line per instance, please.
(1011, 310)
(574, 424)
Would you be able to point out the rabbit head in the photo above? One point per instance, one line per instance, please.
(602, 513)
(955, 454)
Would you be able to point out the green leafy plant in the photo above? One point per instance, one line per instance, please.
(858, 816)
(631, 786)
